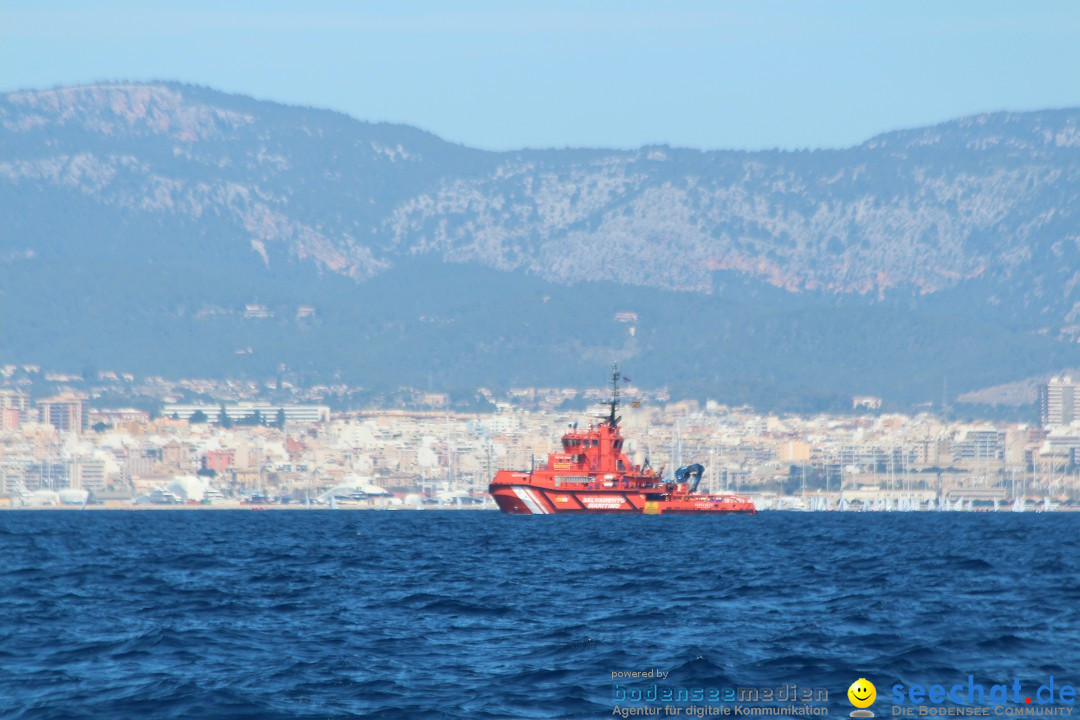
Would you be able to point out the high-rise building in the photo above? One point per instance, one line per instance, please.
(980, 444)
(64, 412)
(13, 406)
(14, 399)
(1059, 401)
(10, 419)
(48, 475)
(87, 474)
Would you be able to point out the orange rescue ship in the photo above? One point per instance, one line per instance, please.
(591, 474)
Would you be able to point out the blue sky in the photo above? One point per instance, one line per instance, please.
(553, 74)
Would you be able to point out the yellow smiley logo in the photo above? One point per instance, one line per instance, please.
(862, 693)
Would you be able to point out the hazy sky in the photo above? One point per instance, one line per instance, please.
(552, 73)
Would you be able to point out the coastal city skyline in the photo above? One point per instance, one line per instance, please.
(431, 454)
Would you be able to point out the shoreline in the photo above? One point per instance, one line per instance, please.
(231, 506)
(293, 508)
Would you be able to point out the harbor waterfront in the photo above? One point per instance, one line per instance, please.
(64, 453)
(457, 615)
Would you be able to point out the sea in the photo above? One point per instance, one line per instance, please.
(470, 614)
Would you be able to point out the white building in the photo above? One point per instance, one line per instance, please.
(240, 410)
(1059, 401)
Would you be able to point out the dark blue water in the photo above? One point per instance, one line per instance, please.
(322, 614)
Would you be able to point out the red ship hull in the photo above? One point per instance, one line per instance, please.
(528, 499)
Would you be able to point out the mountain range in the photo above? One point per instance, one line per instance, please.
(170, 229)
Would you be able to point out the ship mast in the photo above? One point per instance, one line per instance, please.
(613, 421)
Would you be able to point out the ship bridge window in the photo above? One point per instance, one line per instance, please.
(595, 442)
(618, 444)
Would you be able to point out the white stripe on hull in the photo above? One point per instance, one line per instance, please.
(526, 498)
(538, 501)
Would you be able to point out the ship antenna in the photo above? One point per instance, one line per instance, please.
(612, 420)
